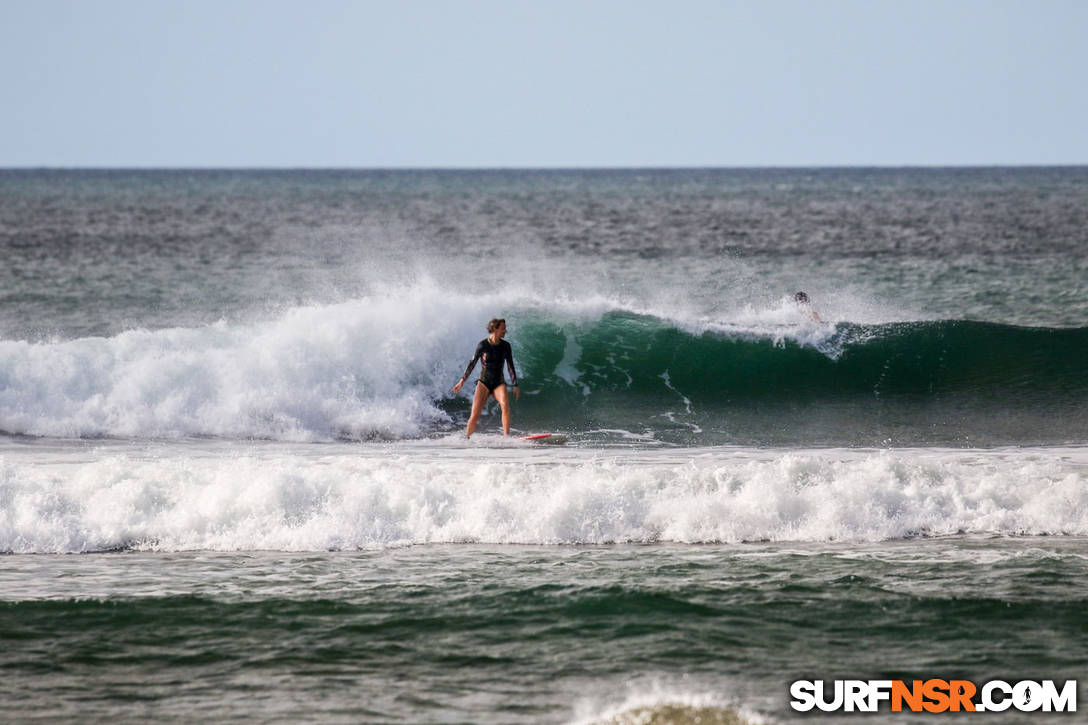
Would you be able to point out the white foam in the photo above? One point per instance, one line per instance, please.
(380, 496)
(646, 702)
(369, 367)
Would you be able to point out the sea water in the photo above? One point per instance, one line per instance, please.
(234, 483)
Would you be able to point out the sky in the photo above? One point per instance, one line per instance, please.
(551, 83)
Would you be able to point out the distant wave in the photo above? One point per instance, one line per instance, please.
(382, 367)
(281, 501)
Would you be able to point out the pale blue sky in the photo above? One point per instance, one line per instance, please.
(329, 83)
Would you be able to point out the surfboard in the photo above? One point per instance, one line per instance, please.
(556, 439)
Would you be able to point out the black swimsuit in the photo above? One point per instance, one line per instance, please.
(493, 357)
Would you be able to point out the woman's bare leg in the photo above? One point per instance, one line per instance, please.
(477, 407)
(504, 402)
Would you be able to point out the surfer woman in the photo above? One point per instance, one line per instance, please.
(494, 350)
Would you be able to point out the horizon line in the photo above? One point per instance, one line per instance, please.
(746, 167)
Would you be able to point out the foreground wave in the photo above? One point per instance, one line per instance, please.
(350, 500)
(722, 362)
(381, 368)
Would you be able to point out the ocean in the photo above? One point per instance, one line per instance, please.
(234, 484)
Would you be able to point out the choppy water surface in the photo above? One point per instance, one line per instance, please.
(473, 633)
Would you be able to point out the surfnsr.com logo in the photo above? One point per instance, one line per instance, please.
(933, 696)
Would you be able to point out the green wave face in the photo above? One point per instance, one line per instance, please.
(950, 382)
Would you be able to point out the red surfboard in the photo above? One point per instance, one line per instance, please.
(553, 438)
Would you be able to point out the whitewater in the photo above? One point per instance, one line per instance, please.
(240, 497)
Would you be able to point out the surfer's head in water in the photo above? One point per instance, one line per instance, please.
(805, 307)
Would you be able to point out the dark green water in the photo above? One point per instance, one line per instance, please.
(892, 384)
